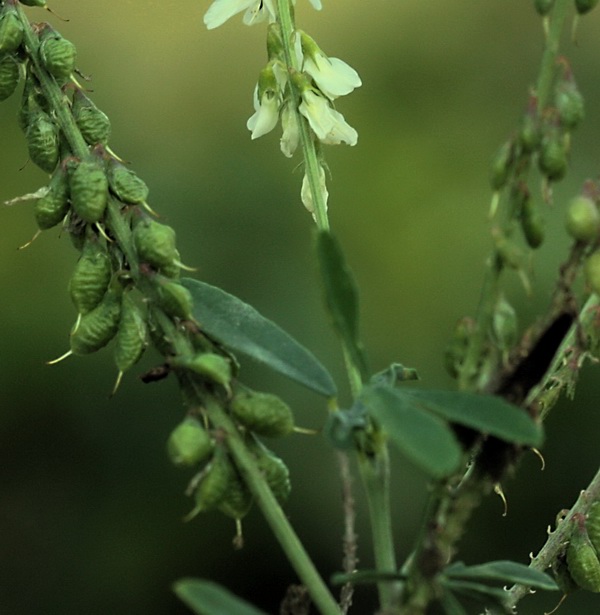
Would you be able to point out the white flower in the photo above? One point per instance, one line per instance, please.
(266, 113)
(333, 76)
(328, 124)
(291, 131)
(316, 4)
(221, 10)
(306, 193)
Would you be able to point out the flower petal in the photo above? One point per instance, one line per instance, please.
(221, 10)
(333, 76)
(266, 116)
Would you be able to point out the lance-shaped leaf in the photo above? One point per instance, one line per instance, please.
(423, 437)
(208, 598)
(239, 327)
(487, 414)
(341, 297)
(503, 572)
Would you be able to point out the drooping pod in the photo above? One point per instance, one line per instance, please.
(42, 141)
(155, 243)
(174, 299)
(502, 165)
(552, 160)
(273, 469)
(11, 31)
(214, 484)
(58, 55)
(189, 443)
(543, 7)
(91, 276)
(532, 223)
(214, 367)
(585, 6)
(98, 327)
(125, 184)
(52, 208)
(89, 190)
(570, 105)
(263, 413)
(238, 499)
(32, 102)
(130, 341)
(93, 124)
(582, 559)
(583, 219)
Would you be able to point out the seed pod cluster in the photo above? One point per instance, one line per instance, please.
(264, 414)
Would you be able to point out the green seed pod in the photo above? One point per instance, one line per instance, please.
(93, 124)
(238, 499)
(263, 413)
(11, 31)
(91, 276)
(58, 55)
(213, 366)
(274, 470)
(89, 190)
(9, 76)
(543, 7)
(96, 328)
(570, 106)
(529, 133)
(592, 271)
(502, 164)
(155, 243)
(593, 526)
(532, 223)
(125, 184)
(585, 6)
(175, 300)
(509, 252)
(42, 141)
(32, 102)
(51, 209)
(189, 443)
(584, 566)
(212, 489)
(130, 342)
(552, 160)
(583, 219)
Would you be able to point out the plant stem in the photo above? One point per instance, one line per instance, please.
(375, 474)
(557, 17)
(557, 538)
(311, 158)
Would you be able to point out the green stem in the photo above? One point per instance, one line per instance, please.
(375, 474)
(547, 71)
(272, 512)
(311, 158)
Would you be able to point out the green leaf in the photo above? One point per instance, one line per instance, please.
(241, 328)
(504, 572)
(341, 297)
(477, 591)
(487, 414)
(365, 577)
(208, 598)
(423, 437)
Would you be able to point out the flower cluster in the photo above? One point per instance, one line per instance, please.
(300, 94)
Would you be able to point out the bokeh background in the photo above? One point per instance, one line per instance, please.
(91, 510)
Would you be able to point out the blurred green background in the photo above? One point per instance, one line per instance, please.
(91, 509)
